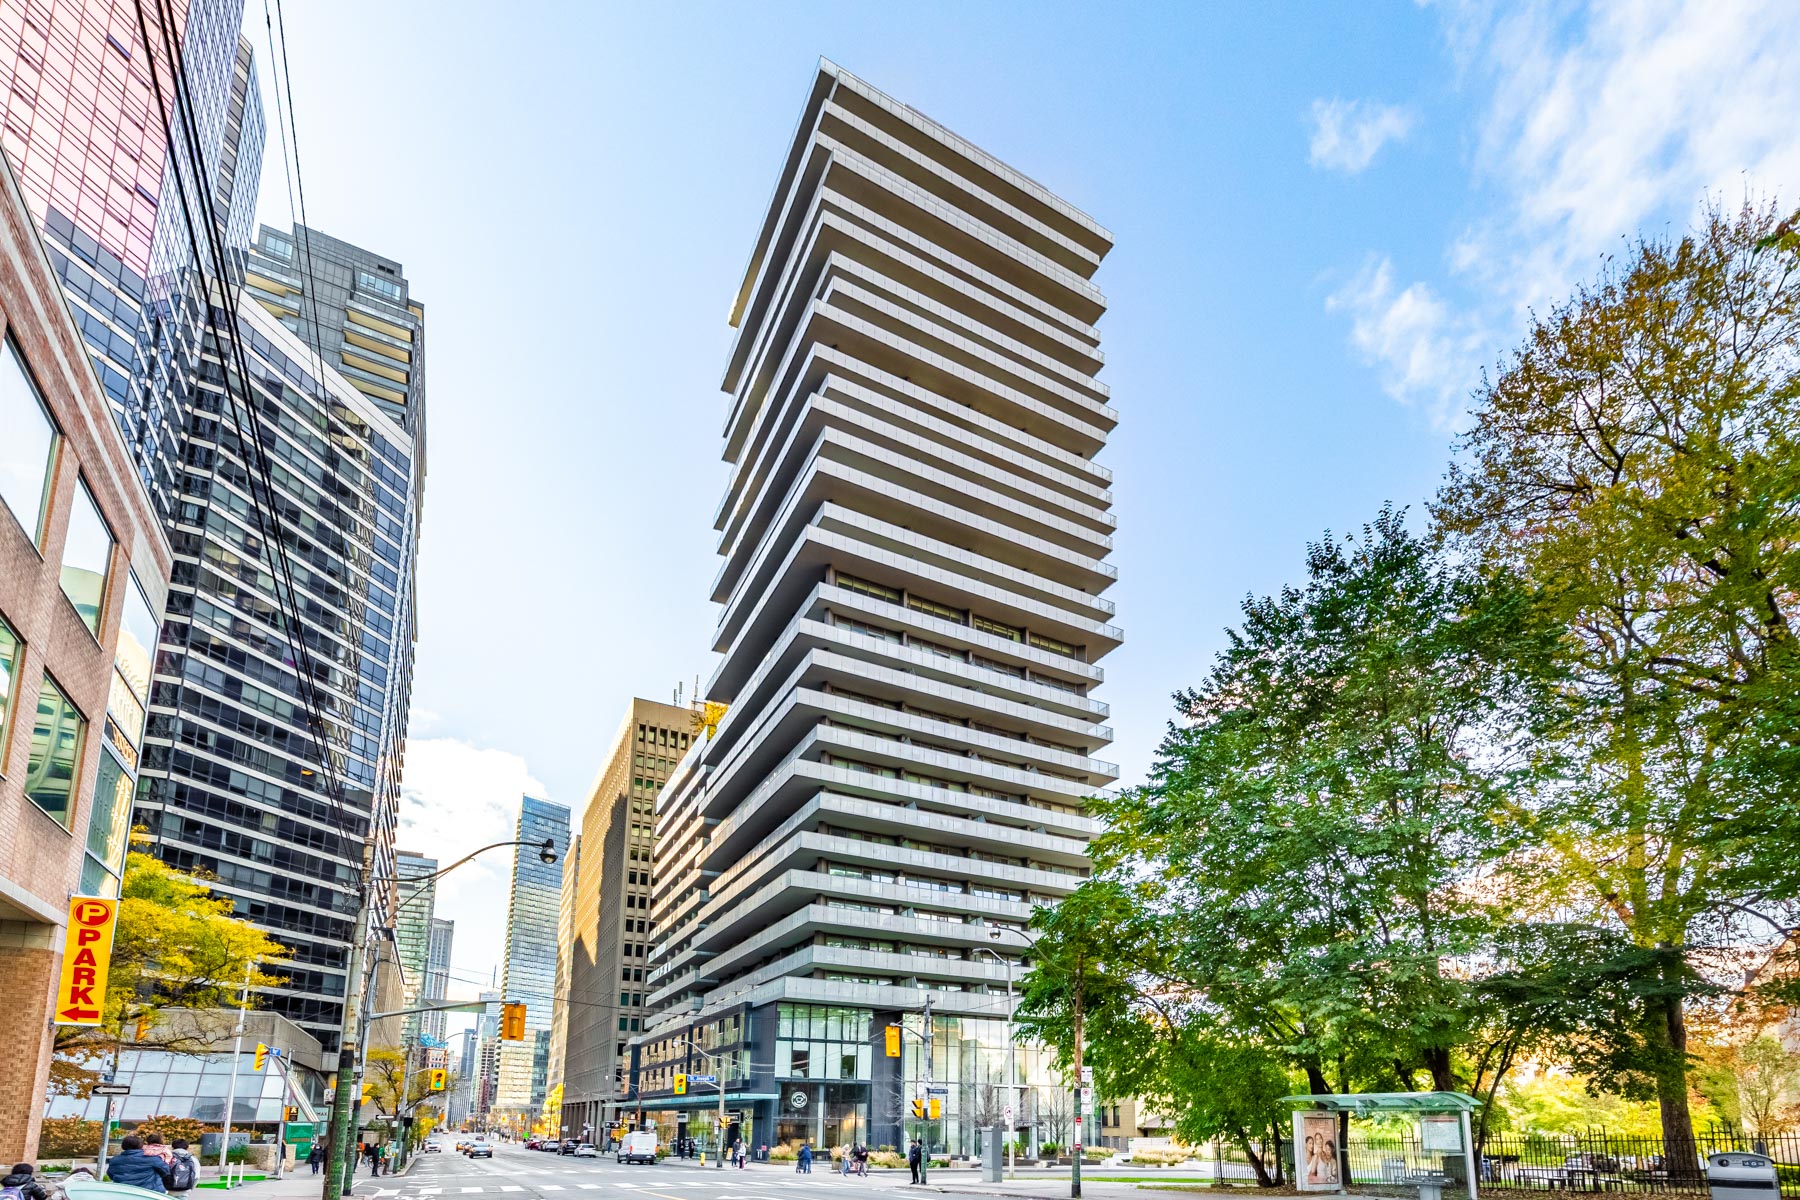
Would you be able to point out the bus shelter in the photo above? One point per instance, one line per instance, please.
(1439, 1154)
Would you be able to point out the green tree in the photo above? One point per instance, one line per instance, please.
(395, 1090)
(1314, 822)
(1637, 460)
(175, 945)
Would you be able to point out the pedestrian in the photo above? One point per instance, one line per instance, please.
(315, 1157)
(804, 1163)
(153, 1144)
(132, 1167)
(915, 1155)
(862, 1160)
(22, 1184)
(184, 1168)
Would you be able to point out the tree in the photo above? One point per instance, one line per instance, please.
(175, 945)
(1768, 1086)
(1637, 459)
(1312, 827)
(396, 1090)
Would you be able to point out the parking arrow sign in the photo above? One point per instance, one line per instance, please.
(87, 953)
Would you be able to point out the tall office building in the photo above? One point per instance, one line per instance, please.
(413, 916)
(437, 977)
(83, 129)
(565, 940)
(239, 787)
(913, 544)
(609, 932)
(529, 973)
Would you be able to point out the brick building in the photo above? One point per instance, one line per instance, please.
(84, 570)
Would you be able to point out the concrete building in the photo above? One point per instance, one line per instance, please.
(565, 961)
(913, 548)
(529, 973)
(609, 927)
(84, 570)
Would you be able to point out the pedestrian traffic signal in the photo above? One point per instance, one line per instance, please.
(438, 1078)
(290, 1112)
(893, 1041)
(512, 1022)
(681, 1085)
(262, 1056)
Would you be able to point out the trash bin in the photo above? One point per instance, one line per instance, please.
(1733, 1176)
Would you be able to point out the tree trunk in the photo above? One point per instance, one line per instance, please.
(1669, 1027)
(1256, 1162)
(1437, 1060)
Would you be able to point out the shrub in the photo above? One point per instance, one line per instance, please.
(785, 1152)
(886, 1158)
(1159, 1158)
(69, 1137)
(174, 1129)
(1049, 1149)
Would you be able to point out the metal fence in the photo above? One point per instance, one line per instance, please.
(1590, 1162)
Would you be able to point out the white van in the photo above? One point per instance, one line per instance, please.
(639, 1147)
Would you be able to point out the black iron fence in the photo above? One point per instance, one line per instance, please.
(1597, 1161)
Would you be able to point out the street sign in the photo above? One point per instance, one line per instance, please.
(1010, 1124)
(1087, 1077)
(937, 1091)
(111, 1089)
(87, 952)
(703, 1079)
(1084, 1097)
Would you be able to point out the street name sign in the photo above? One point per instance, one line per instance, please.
(703, 1079)
(87, 953)
(937, 1091)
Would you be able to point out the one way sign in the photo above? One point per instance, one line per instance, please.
(87, 952)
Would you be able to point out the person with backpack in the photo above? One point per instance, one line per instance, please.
(132, 1167)
(22, 1185)
(184, 1168)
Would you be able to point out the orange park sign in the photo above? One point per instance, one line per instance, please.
(87, 952)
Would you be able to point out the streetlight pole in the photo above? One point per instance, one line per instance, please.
(353, 1024)
(237, 1053)
(1011, 1092)
(1075, 1158)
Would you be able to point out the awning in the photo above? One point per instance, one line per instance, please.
(1368, 1103)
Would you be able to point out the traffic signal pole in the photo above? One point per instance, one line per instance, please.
(925, 1149)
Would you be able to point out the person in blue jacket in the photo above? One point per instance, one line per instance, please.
(131, 1166)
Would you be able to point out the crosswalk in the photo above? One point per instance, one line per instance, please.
(663, 1183)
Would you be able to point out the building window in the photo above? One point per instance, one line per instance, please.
(55, 748)
(27, 446)
(279, 247)
(9, 657)
(86, 559)
(108, 825)
(366, 282)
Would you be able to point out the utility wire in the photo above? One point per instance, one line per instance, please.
(179, 115)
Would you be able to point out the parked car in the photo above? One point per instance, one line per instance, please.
(638, 1147)
(568, 1146)
(481, 1150)
(532, 1143)
(586, 1150)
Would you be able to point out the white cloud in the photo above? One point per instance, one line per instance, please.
(1590, 129)
(1348, 134)
(1427, 352)
(455, 799)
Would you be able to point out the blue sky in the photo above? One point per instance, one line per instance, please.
(1328, 218)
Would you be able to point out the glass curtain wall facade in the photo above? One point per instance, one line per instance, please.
(412, 932)
(529, 974)
(609, 926)
(913, 548)
(437, 984)
(235, 781)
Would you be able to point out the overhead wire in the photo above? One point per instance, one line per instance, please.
(179, 116)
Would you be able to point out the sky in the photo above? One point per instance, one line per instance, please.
(1328, 220)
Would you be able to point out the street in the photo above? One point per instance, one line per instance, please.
(518, 1174)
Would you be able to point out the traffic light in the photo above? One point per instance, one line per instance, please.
(262, 1056)
(893, 1041)
(438, 1078)
(681, 1085)
(512, 1022)
(936, 1109)
(919, 1109)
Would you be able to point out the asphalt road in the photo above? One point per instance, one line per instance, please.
(518, 1174)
